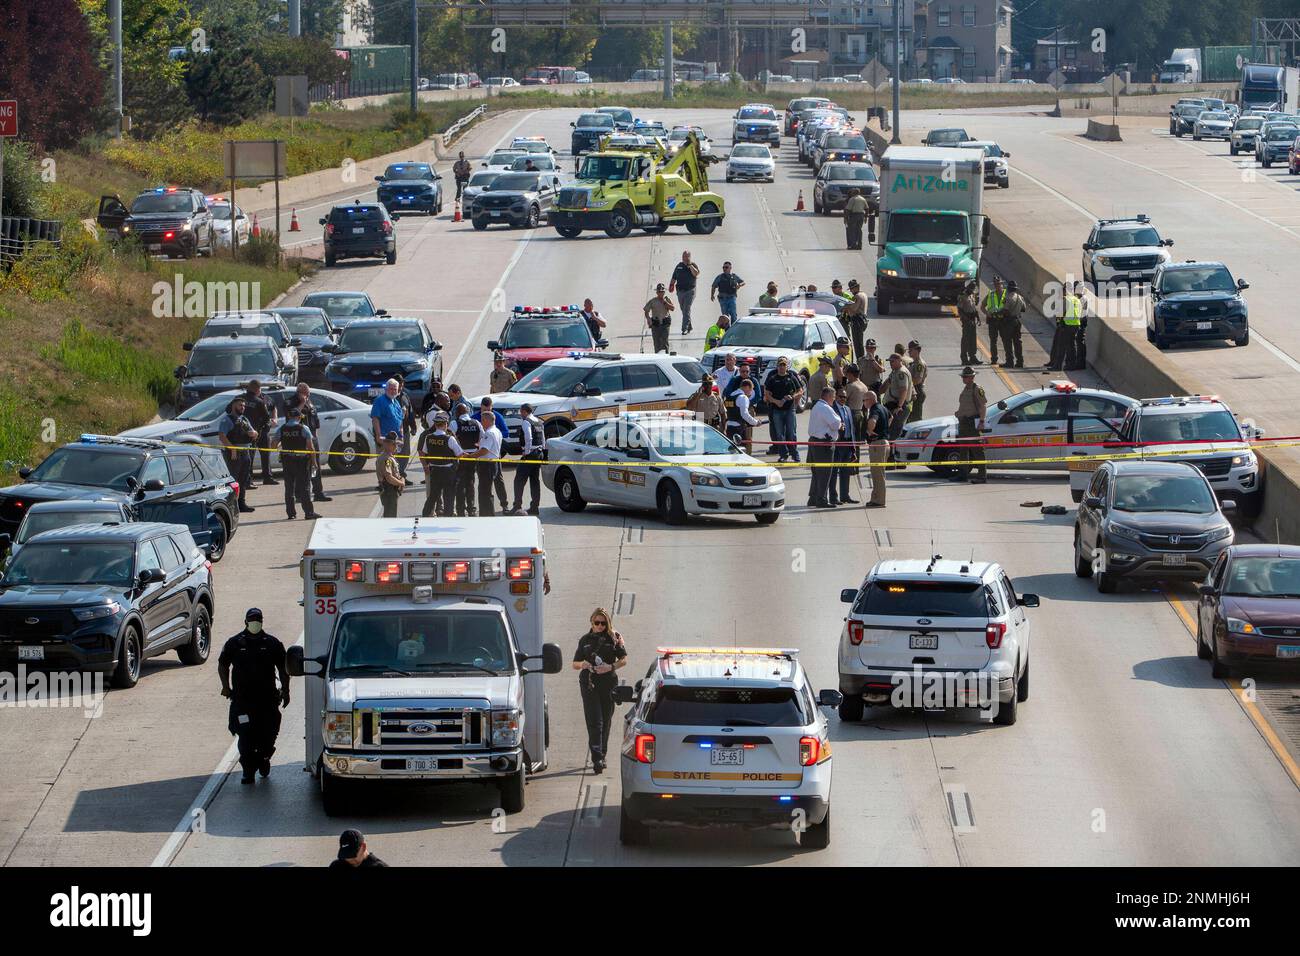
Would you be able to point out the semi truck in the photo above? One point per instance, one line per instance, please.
(420, 649)
(932, 227)
(1265, 87)
(621, 190)
(1183, 66)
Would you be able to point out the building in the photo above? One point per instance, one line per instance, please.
(1078, 62)
(354, 30)
(969, 39)
(858, 31)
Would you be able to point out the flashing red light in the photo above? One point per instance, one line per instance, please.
(389, 572)
(355, 571)
(519, 568)
(993, 635)
(388, 227)
(454, 572)
(644, 748)
(169, 235)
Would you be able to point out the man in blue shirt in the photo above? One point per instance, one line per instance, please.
(387, 413)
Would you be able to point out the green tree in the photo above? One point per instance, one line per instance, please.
(226, 85)
(283, 55)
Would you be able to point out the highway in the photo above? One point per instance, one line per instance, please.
(1127, 752)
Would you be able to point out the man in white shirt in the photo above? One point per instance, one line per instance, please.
(740, 420)
(489, 450)
(824, 428)
(724, 375)
(530, 465)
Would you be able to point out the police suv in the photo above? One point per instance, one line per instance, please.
(581, 387)
(1124, 250)
(726, 736)
(662, 461)
(800, 336)
(534, 334)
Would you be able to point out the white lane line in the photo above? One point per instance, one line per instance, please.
(593, 804)
(883, 538)
(960, 810)
(185, 826)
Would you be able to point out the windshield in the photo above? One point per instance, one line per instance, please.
(208, 410)
(1213, 279)
(306, 323)
(610, 168)
(483, 179)
(35, 523)
(923, 599)
(536, 162)
(679, 135)
(553, 378)
(603, 120)
(422, 642)
(684, 438)
(692, 706)
(991, 149)
(245, 327)
(82, 563)
(1137, 236)
(620, 115)
(514, 182)
(1185, 494)
(757, 114)
(546, 335)
(231, 360)
(1250, 122)
(220, 211)
(409, 171)
(161, 202)
(1189, 426)
(1284, 132)
(1214, 104)
(535, 147)
(1192, 110)
(381, 338)
(927, 227)
(348, 306)
(852, 172)
(805, 104)
(948, 136)
(1267, 577)
(652, 129)
(84, 465)
(757, 152)
(765, 335)
(845, 141)
(505, 158)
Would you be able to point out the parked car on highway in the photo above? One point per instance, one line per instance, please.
(1148, 520)
(48, 515)
(515, 199)
(501, 160)
(588, 129)
(1196, 301)
(1244, 131)
(169, 220)
(225, 225)
(1273, 143)
(1293, 157)
(410, 187)
(534, 163)
(1124, 250)
(1248, 612)
(1212, 124)
(843, 144)
(215, 365)
(501, 81)
(765, 336)
(581, 77)
(623, 118)
(313, 330)
(371, 351)
(751, 161)
(797, 106)
(997, 172)
(677, 139)
(533, 335)
(477, 183)
(359, 231)
(226, 325)
(342, 307)
(834, 180)
(449, 81)
(756, 123)
(948, 136)
(1183, 119)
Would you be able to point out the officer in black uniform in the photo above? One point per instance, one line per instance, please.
(597, 658)
(302, 400)
(439, 450)
(468, 433)
(297, 448)
(261, 413)
(236, 435)
(254, 659)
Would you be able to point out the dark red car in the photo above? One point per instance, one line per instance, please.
(537, 334)
(1249, 610)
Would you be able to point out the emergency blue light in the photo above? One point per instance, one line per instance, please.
(705, 746)
(88, 439)
(785, 799)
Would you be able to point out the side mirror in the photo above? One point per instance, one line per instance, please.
(591, 392)
(187, 346)
(24, 472)
(817, 346)
(602, 343)
(848, 595)
(153, 484)
(1087, 247)
(434, 347)
(1029, 600)
(574, 125)
(151, 576)
(984, 232)
(322, 222)
(299, 665)
(829, 698)
(1169, 242)
(624, 694)
(381, 311)
(1243, 284)
(494, 345)
(1207, 590)
(1227, 506)
(639, 453)
(1092, 501)
(295, 342)
(379, 179)
(5, 541)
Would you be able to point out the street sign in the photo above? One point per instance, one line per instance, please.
(875, 73)
(1057, 79)
(1114, 84)
(8, 118)
(291, 96)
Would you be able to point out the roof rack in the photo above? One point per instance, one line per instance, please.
(789, 653)
(92, 439)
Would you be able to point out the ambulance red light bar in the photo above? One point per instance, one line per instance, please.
(518, 569)
(455, 572)
(354, 571)
(388, 572)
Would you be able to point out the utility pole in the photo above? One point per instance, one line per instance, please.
(295, 18)
(898, 69)
(115, 34)
(415, 55)
(668, 59)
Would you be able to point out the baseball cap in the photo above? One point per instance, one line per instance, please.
(253, 614)
(392, 436)
(350, 844)
(842, 340)
(660, 287)
(967, 371)
(871, 343)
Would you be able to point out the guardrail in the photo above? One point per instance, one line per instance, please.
(454, 129)
(18, 233)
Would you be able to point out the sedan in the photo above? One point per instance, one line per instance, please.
(223, 226)
(501, 81)
(1249, 608)
(1213, 124)
(1293, 157)
(751, 161)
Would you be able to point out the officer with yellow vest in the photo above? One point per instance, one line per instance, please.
(1068, 327)
(995, 304)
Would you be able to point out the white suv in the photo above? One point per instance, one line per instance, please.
(935, 633)
(727, 735)
(1124, 250)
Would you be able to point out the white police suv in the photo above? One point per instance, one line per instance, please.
(730, 736)
(665, 462)
(1124, 250)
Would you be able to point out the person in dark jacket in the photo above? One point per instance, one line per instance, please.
(599, 655)
(261, 414)
(302, 401)
(249, 665)
(353, 851)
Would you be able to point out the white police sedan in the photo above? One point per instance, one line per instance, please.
(662, 461)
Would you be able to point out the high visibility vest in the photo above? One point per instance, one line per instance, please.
(994, 302)
(1073, 310)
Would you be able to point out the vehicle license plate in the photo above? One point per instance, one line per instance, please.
(727, 756)
(1175, 560)
(406, 202)
(27, 653)
(155, 247)
(925, 294)
(750, 501)
(421, 764)
(496, 213)
(358, 230)
(1288, 651)
(1203, 326)
(923, 642)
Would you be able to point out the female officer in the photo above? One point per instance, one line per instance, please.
(600, 654)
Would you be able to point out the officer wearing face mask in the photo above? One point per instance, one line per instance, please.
(248, 667)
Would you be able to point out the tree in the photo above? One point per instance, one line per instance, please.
(311, 56)
(49, 68)
(226, 85)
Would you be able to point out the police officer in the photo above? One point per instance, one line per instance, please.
(438, 453)
(261, 415)
(237, 434)
(855, 316)
(1080, 357)
(1011, 327)
(302, 400)
(389, 474)
(1065, 338)
(248, 667)
(462, 170)
(706, 403)
(897, 394)
(297, 449)
(659, 317)
(501, 378)
(740, 417)
(468, 432)
(872, 366)
(971, 406)
(600, 653)
(968, 312)
(916, 365)
(995, 304)
(855, 215)
(529, 469)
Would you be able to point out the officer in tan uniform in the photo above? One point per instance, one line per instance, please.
(896, 394)
(1010, 330)
(823, 377)
(501, 378)
(971, 406)
(919, 370)
(855, 214)
(968, 311)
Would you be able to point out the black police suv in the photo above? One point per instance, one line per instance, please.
(588, 130)
(314, 331)
(148, 476)
(371, 351)
(172, 220)
(410, 187)
(359, 231)
(105, 597)
(515, 199)
(216, 365)
(1195, 301)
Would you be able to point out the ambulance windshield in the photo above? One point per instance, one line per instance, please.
(415, 641)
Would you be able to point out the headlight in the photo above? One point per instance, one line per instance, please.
(1104, 260)
(920, 433)
(338, 728)
(507, 728)
(126, 227)
(95, 613)
(1246, 459)
(961, 275)
(189, 223)
(1218, 534)
(413, 367)
(343, 369)
(1237, 626)
(712, 481)
(1124, 531)
(889, 272)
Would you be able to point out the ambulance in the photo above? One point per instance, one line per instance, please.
(421, 646)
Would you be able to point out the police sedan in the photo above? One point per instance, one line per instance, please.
(1021, 430)
(662, 461)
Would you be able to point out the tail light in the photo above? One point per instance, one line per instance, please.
(643, 748)
(856, 632)
(813, 750)
(388, 228)
(993, 635)
(234, 486)
(329, 228)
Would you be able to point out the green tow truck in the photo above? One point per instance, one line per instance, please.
(622, 190)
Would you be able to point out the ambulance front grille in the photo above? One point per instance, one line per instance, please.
(415, 729)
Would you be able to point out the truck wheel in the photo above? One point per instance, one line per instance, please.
(707, 225)
(334, 794)
(129, 661)
(620, 222)
(348, 458)
(512, 792)
(200, 645)
(852, 707)
(817, 836)
(567, 495)
(671, 507)
(882, 303)
(632, 832)
(568, 232)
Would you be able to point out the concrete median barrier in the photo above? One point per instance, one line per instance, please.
(1106, 132)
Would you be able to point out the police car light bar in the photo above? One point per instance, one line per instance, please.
(790, 652)
(1063, 385)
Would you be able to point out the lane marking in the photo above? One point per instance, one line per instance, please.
(1250, 707)
(636, 534)
(883, 538)
(590, 810)
(625, 603)
(961, 812)
(185, 826)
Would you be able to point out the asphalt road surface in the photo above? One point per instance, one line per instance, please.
(1126, 753)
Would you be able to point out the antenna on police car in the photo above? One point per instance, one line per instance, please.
(415, 528)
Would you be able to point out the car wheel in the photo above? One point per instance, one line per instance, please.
(567, 494)
(335, 794)
(817, 836)
(730, 179)
(391, 258)
(1202, 649)
(1196, 138)
(672, 510)
(480, 224)
(707, 225)
(1244, 340)
(768, 517)
(1151, 335)
(348, 457)
(130, 660)
(1160, 341)
(1218, 669)
(632, 832)
(512, 792)
(329, 259)
(1022, 686)
(852, 707)
(200, 645)
(1082, 564)
(1007, 712)
(534, 217)
(817, 206)
(218, 536)
(568, 232)
(1106, 582)
(882, 303)
(620, 222)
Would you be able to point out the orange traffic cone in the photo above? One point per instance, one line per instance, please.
(458, 217)
(293, 222)
(257, 229)
(798, 207)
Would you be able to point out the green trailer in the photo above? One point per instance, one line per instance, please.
(1222, 64)
(378, 69)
